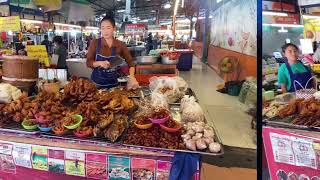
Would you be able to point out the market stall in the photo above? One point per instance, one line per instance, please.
(81, 129)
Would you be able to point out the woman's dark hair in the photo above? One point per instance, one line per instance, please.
(284, 47)
(58, 39)
(109, 17)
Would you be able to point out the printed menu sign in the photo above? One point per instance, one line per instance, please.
(163, 170)
(40, 52)
(282, 149)
(74, 162)
(304, 149)
(6, 159)
(21, 154)
(96, 166)
(304, 153)
(56, 161)
(119, 168)
(6, 148)
(40, 158)
(143, 168)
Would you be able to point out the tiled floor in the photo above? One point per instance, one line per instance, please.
(225, 112)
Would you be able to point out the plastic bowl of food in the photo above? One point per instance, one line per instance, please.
(160, 116)
(29, 124)
(73, 122)
(60, 130)
(44, 128)
(143, 123)
(83, 132)
(171, 126)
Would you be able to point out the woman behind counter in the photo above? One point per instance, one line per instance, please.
(293, 70)
(105, 49)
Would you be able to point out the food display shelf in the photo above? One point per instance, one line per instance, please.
(286, 123)
(16, 129)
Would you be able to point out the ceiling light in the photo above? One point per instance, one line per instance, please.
(121, 10)
(176, 8)
(153, 11)
(282, 30)
(30, 21)
(68, 25)
(91, 27)
(182, 3)
(271, 13)
(311, 17)
(284, 25)
(167, 5)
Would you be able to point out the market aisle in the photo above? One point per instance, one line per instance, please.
(224, 111)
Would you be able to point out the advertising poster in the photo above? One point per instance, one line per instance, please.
(56, 161)
(96, 166)
(119, 168)
(143, 168)
(291, 156)
(75, 163)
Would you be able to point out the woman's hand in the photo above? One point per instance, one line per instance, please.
(132, 83)
(103, 64)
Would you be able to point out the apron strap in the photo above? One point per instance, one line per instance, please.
(289, 69)
(98, 47)
(113, 51)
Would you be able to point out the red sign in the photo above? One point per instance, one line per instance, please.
(276, 6)
(290, 19)
(290, 155)
(135, 29)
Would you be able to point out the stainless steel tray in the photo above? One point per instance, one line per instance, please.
(285, 123)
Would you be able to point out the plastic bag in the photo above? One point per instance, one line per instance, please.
(8, 93)
(251, 98)
(191, 111)
(244, 91)
(185, 101)
(168, 87)
(159, 101)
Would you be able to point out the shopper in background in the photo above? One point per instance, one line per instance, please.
(149, 43)
(61, 51)
(103, 51)
(46, 42)
(293, 70)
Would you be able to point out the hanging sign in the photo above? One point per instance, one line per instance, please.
(40, 52)
(10, 23)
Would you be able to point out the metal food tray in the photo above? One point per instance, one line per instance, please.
(285, 123)
(18, 129)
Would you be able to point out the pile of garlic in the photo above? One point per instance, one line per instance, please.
(200, 136)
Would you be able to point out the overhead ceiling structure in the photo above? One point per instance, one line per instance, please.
(141, 9)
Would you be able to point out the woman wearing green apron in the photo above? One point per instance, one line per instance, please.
(293, 70)
(103, 52)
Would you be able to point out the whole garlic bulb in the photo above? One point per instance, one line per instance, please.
(191, 144)
(214, 147)
(201, 144)
(208, 133)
